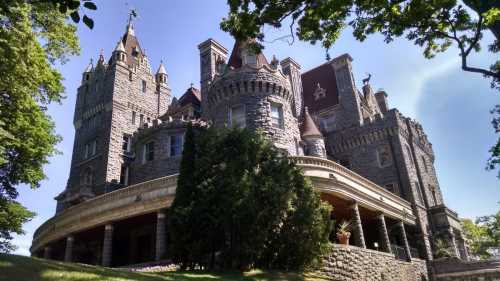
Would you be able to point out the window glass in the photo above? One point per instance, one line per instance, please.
(384, 156)
(149, 152)
(126, 143)
(237, 116)
(94, 147)
(141, 120)
(133, 117)
(277, 115)
(176, 144)
(144, 86)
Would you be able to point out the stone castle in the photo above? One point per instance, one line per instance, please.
(373, 164)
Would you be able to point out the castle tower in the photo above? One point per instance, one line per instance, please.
(249, 92)
(114, 99)
(212, 59)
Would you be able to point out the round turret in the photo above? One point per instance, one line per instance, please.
(253, 94)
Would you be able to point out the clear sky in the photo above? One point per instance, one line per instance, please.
(453, 106)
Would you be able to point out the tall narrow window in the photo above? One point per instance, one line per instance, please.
(410, 156)
(148, 120)
(124, 175)
(148, 152)
(277, 115)
(424, 162)
(126, 143)
(419, 193)
(86, 151)
(94, 147)
(176, 144)
(133, 117)
(141, 120)
(144, 86)
(237, 116)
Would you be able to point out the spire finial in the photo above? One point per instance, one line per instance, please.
(130, 27)
(192, 85)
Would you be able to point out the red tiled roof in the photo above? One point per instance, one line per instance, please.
(235, 60)
(325, 76)
(309, 128)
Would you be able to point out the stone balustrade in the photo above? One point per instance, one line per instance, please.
(152, 196)
(331, 177)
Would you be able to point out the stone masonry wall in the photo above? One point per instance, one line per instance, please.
(163, 163)
(348, 263)
(457, 270)
(256, 90)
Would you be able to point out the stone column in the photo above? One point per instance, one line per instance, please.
(406, 245)
(161, 235)
(107, 247)
(464, 254)
(46, 252)
(68, 253)
(385, 243)
(357, 227)
(453, 242)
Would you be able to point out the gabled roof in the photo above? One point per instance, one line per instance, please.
(309, 128)
(236, 61)
(191, 96)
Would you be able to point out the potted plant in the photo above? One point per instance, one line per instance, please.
(344, 232)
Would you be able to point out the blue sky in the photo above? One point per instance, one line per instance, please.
(453, 106)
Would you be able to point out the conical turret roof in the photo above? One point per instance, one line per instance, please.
(309, 128)
(89, 67)
(161, 69)
(120, 47)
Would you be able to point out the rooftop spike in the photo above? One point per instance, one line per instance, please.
(90, 67)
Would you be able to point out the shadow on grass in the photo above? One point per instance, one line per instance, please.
(20, 268)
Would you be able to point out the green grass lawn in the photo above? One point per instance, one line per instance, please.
(20, 268)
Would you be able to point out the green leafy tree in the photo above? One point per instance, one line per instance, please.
(482, 234)
(433, 25)
(240, 204)
(33, 37)
(12, 217)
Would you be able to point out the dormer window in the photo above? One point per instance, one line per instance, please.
(135, 52)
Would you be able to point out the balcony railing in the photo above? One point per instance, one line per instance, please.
(399, 252)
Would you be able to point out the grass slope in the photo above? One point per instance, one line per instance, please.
(20, 268)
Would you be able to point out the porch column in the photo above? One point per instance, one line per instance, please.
(385, 243)
(161, 238)
(107, 247)
(46, 252)
(357, 227)
(453, 242)
(68, 253)
(406, 245)
(462, 247)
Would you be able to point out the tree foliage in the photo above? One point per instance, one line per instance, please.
(33, 37)
(12, 217)
(482, 234)
(239, 205)
(433, 25)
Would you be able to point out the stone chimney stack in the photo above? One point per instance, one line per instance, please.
(381, 97)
